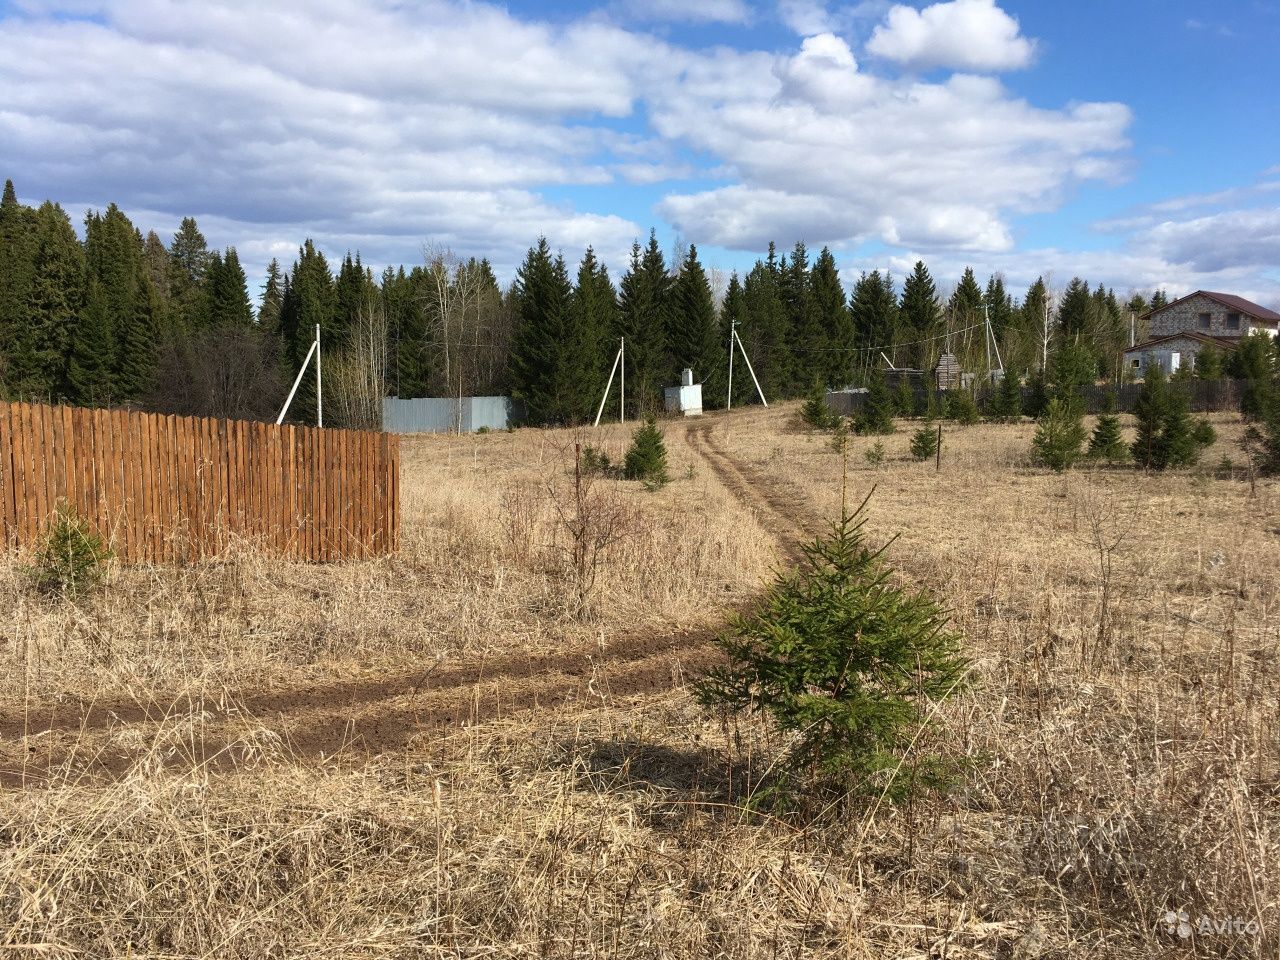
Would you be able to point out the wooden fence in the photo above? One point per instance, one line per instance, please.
(165, 488)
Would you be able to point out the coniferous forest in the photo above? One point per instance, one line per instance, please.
(108, 316)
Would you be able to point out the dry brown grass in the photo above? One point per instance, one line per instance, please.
(1123, 736)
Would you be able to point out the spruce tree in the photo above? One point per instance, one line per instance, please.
(547, 363)
(157, 265)
(876, 416)
(764, 331)
(874, 311)
(594, 309)
(114, 263)
(1007, 402)
(965, 305)
(188, 261)
(226, 292)
(90, 362)
(38, 353)
(924, 442)
(919, 313)
(17, 270)
(1107, 443)
(1167, 436)
(806, 342)
(848, 665)
(1076, 310)
(814, 411)
(643, 306)
(646, 459)
(1059, 434)
(307, 301)
(273, 298)
(413, 353)
(999, 306)
(694, 333)
(835, 323)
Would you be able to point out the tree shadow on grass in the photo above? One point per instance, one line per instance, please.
(681, 781)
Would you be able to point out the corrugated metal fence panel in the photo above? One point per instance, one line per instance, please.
(448, 414)
(160, 488)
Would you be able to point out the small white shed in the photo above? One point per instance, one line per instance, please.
(686, 398)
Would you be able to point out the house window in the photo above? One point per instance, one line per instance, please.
(1233, 321)
(1202, 322)
(1137, 364)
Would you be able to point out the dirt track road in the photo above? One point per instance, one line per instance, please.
(382, 713)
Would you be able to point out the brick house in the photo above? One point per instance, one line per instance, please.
(1181, 329)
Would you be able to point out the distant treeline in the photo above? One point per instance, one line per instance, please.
(123, 318)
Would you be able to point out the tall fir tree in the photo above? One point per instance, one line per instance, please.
(308, 301)
(272, 299)
(155, 258)
(999, 306)
(90, 359)
(1032, 321)
(643, 305)
(594, 308)
(763, 333)
(695, 333)
(227, 293)
(920, 314)
(188, 260)
(38, 356)
(1075, 311)
(17, 267)
(114, 261)
(874, 310)
(411, 349)
(807, 357)
(834, 364)
(546, 360)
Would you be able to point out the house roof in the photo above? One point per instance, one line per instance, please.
(1222, 343)
(1230, 300)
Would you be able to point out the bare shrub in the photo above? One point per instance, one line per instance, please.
(231, 372)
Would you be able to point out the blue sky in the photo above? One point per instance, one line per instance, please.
(1136, 144)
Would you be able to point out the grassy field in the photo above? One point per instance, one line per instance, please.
(482, 747)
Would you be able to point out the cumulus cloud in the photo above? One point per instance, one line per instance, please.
(822, 150)
(380, 124)
(960, 34)
(376, 124)
(1232, 238)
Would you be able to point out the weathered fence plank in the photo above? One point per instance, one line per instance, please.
(163, 488)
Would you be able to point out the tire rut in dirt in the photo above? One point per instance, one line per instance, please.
(76, 715)
(353, 735)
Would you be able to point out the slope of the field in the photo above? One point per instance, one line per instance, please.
(449, 753)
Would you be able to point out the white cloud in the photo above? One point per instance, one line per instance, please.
(1220, 241)
(805, 17)
(376, 125)
(823, 151)
(960, 34)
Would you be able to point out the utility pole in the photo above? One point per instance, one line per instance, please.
(622, 392)
(319, 390)
(733, 332)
